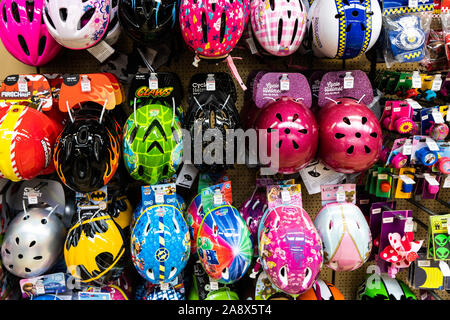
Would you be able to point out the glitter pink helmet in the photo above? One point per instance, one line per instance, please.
(350, 136)
(297, 132)
(24, 34)
(212, 28)
(290, 249)
(278, 25)
(252, 211)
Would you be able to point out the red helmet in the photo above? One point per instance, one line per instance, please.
(350, 136)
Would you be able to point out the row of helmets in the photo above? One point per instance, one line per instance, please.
(35, 31)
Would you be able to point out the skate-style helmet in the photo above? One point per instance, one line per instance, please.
(344, 29)
(33, 242)
(297, 131)
(350, 136)
(77, 24)
(290, 249)
(24, 34)
(27, 138)
(160, 243)
(211, 28)
(383, 287)
(322, 290)
(278, 25)
(148, 21)
(346, 236)
(252, 211)
(224, 245)
(87, 152)
(152, 143)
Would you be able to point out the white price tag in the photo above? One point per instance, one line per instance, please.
(214, 285)
(340, 196)
(446, 182)
(448, 114)
(437, 116)
(32, 198)
(383, 176)
(432, 144)
(416, 80)
(413, 3)
(85, 84)
(376, 211)
(348, 81)
(423, 263)
(437, 83)
(159, 197)
(431, 179)
(210, 83)
(22, 84)
(40, 289)
(445, 269)
(388, 220)
(406, 179)
(414, 104)
(285, 196)
(164, 286)
(407, 149)
(409, 225)
(218, 199)
(284, 82)
(153, 82)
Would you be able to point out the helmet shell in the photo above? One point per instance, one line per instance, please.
(224, 245)
(346, 236)
(223, 293)
(279, 25)
(24, 35)
(322, 290)
(27, 137)
(297, 132)
(350, 136)
(77, 24)
(344, 30)
(33, 243)
(211, 28)
(290, 249)
(252, 211)
(383, 287)
(152, 146)
(160, 243)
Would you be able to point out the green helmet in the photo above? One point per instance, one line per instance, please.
(223, 293)
(152, 143)
(384, 287)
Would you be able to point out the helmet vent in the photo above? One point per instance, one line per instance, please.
(303, 131)
(5, 19)
(296, 146)
(280, 30)
(23, 44)
(349, 27)
(87, 16)
(7, 251)
(278, 115)
(30, 10)
(367, 149)
(223, 21)
(32, 243)
(27, 270)
(355, 13)
(49, 19)
(374, 135)
(330, 225)
(294, 33)
(272, 4)
(295, 117)
(289, 12)
(37, 258)
(15, 11)
(17, 240)
(279, 144)
(301, 5)
(350, 150)
(363, 120)
(358, 135)
(346, 120)
(339, 135)
(213, 7)
(63, 14)
(141, 171)
(26, 217)
(44, 221)
(165, 170)
(42, 43)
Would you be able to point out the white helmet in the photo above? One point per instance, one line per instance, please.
(344, 29)
(77, 24)
(114, 29)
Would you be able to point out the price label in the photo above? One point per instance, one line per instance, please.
(85, 84)
(414, 104)
(409, 225)
(285, 196)
(432, 144)
(153, 82)
(416, 80)
(210, 83)
(214, 285)
(423, 263)
(406, 179)
(413, 3)
(22, 83)
(348, 81)
(340, 196)
(284, 83)
(383, 176)
(437, 83)
(437, 116)
(164, 286)
(407, 149)
(218, 199)
(32, 198)
(159, 197)
(446, 182)
(431, 180)
(388, 220)
(376, 211)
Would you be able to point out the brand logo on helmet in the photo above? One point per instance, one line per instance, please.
(162, 254)
(145, 92)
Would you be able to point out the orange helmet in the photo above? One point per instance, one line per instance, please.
(322, 290)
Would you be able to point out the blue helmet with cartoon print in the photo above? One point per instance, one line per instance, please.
(160, 243)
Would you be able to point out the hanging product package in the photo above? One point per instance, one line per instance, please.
(406, 25)
(445, 18)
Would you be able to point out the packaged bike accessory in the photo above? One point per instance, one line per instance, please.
(405, 183)
(217, 195)
(406, 28)
(284, 195)
(438, 232)
(375, 220)
(201, 82)
(445, 19)
(317, 174)
(338, 193)
(397, 116)
(54, 283)
(429, 274)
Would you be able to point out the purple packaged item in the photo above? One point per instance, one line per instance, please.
(375, 221)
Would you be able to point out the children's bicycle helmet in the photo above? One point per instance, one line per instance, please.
(278, 25)
(24, 34)
(322, 290)
(33, 243)
(350, 136)
(345, 234)
(152, 142)
(296, 128)
(290, 249)
(148, 21)
(77, 24)
(87, 152)
(114, 29)
(383, 287)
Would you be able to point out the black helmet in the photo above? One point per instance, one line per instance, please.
(87, 152)
(210, 110)
(148, 21)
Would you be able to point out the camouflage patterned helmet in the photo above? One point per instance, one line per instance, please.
(152, 143)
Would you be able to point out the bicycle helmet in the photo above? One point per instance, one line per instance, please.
(350, 136)
(297, 133)
(266, 290)
(77, 24)
(24, 34)
(224, 245)
(148, 21)
(344, 29)
(160, 243)
(383, 287)
(211, 28)
(94, 250)
(252, 211)
(290, 249)
(346, 236)
(278, 25)
(322, 290)
(87, 152)
(223, 293)
(33, 243)
(211, 110)
(152, 143)
(27, 137)
(114, 29)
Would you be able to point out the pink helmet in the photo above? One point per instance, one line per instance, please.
(279, 25)
(24, 34)
(290, 249)
(350, 136)
(213, 27)
(297, 130)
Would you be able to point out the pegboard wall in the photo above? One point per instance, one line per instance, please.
(243, 179)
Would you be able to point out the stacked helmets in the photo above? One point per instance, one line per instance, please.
(344, 29)
(290, 248)
(278, 25)
(87, 152)
(24, 34)
(383, 287)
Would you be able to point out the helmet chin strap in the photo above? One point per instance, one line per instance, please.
(68, 111)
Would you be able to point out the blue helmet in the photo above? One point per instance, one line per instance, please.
(160, 243)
